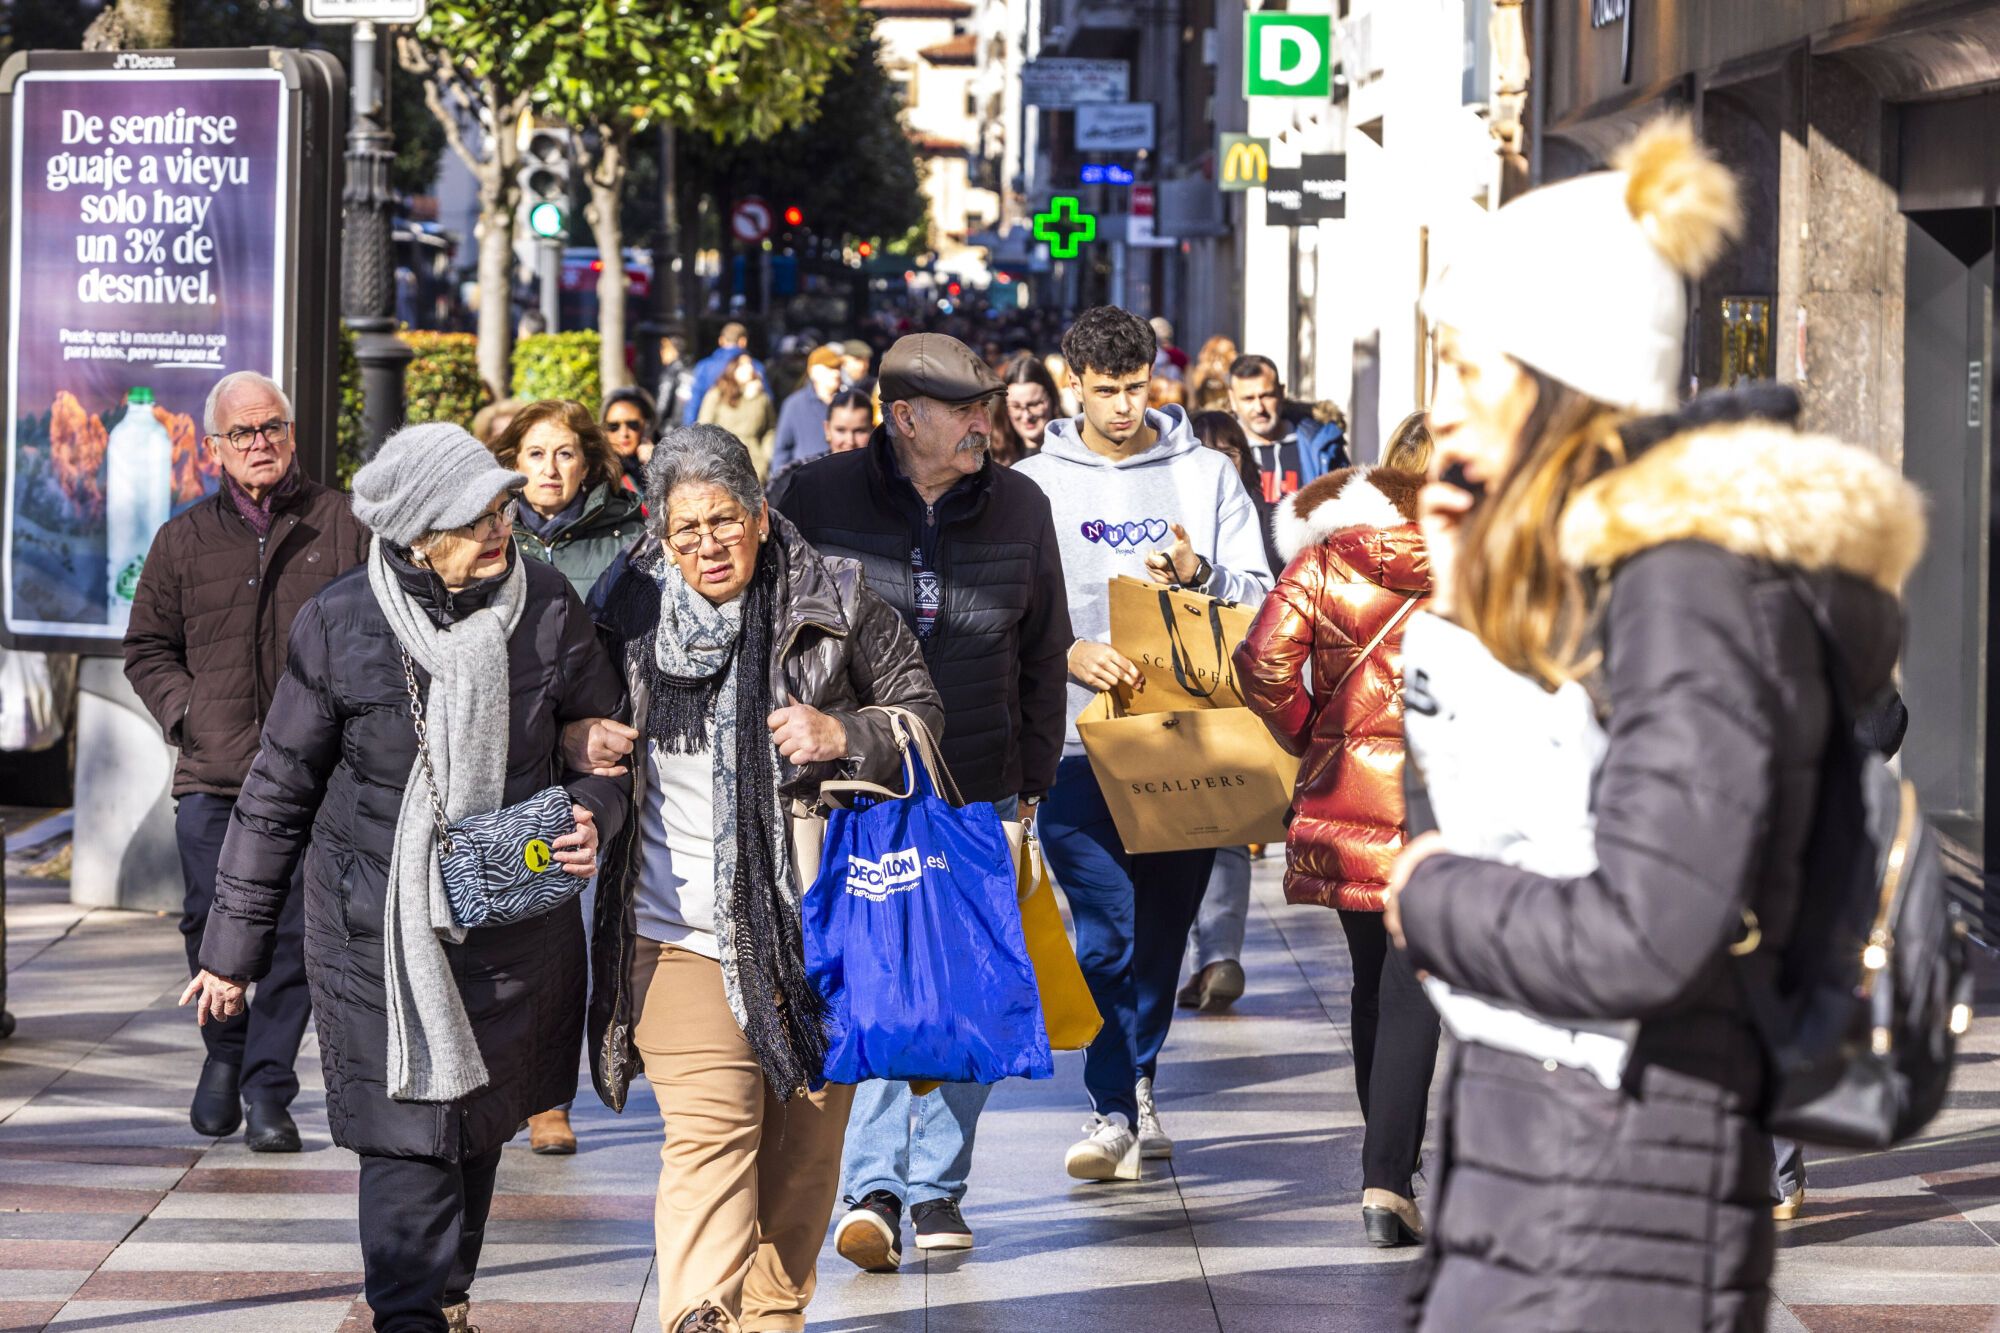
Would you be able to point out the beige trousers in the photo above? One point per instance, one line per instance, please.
(747, 1183)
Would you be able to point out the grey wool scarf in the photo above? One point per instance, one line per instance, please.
(433, 1056)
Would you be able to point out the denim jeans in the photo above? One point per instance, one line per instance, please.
(1225, 911)
(1132, 915)
(916, 1148)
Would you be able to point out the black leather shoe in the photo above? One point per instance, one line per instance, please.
(216, 1110)
(270, 1128)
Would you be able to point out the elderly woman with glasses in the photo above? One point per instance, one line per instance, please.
(438, 1040)
(750, 659)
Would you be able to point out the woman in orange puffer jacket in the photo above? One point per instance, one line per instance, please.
(1322, 665)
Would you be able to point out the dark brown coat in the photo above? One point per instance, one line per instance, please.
(207, 641)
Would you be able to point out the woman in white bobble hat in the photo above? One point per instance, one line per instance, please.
(1616, 710)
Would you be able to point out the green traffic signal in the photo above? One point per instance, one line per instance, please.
(546, 219)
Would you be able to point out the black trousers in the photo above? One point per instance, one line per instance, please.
(423, 1220)
(264, 1039)
(1395, 1036)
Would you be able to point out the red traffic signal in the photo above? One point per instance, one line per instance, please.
(794, 216)
(953, 289)
(866, 248)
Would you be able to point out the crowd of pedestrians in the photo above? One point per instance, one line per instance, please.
(1555, 668)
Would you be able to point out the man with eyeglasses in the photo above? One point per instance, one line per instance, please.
(205, 651)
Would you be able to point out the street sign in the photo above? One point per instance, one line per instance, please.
(1058, 83)
(364, 11)
(1065, 226)
(1245, 162)
(1139, 222)
(1104, 173)
(1288, 55)
(750, 220)
(1314, 191)
(1323, 187)
(1115, 127)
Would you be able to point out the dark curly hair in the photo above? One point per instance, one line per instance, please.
(1109, 341)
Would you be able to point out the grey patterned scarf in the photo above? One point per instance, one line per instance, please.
(709, 687)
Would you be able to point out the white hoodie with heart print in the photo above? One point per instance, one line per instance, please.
(1111, 514)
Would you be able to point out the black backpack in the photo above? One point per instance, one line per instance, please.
(1860, 1012)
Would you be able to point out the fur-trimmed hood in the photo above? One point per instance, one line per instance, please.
(1354, 497)
(1759, 490)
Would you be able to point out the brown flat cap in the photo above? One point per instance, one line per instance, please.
(828, 356)
(936, 365)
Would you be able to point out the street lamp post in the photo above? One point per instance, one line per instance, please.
(368, 279)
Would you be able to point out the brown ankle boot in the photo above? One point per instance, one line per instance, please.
(550, 1135)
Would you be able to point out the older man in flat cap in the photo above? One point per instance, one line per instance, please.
(966, 552)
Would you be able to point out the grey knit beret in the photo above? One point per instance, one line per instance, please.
(428, 477)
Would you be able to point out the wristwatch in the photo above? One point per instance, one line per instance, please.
(1203, 572)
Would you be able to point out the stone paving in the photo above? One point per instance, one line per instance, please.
(114, 1215)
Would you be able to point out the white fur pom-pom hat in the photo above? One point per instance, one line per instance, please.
(1586, 280)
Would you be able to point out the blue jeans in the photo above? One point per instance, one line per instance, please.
(919, 1160)
(1132, 915)
(929, 1161)
(1225, 911)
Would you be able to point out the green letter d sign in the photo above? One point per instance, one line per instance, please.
(1288, 55)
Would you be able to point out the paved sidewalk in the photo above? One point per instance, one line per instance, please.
(114, 1215)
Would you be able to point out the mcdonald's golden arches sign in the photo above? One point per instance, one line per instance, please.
(1243, 162)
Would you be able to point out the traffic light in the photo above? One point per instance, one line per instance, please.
(545, 180)
(866, 248)
(795, 216)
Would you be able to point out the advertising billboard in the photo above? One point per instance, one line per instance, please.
(152, 208)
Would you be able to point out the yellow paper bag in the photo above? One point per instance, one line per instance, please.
(1068, 1012)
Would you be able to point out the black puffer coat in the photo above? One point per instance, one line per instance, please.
(838, 648)
(1561, 1205)
(1000, 646)
(328, 785)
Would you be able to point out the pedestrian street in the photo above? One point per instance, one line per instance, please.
(115, 1216)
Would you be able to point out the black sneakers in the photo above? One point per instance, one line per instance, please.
(871, 1235)
(940, 1226)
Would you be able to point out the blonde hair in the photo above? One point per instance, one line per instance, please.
(1409, 447)
(1531, 609)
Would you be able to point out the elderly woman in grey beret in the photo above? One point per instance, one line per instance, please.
(438, 1040)
(750, 659)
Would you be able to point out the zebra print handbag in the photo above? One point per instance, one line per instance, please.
(498, 867)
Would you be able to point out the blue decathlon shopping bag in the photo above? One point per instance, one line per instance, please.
(913, 937)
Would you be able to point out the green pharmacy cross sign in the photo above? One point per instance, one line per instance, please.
(1065, 226)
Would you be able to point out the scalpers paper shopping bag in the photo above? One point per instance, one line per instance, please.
(1183, 640)
(1197, 777)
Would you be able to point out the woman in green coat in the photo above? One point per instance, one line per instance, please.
(574, 513)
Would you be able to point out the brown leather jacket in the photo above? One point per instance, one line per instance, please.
(1356, 564)
(206, 645)
(839, 648)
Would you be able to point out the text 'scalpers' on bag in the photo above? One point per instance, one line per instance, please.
(1198, 777)
(1182, 640)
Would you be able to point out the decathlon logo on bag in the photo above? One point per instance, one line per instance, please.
(896, 872)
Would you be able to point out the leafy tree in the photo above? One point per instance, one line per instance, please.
(478, 61)
(852, 169)
(732, 69)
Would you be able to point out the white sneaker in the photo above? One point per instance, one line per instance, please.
(1153, 1141)
(1109, 1151)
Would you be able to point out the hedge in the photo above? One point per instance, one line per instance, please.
(351, 433)
(442, 382)
(558, 365)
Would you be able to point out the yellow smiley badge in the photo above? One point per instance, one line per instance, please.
(537, 855)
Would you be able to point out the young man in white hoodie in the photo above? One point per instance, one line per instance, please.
(1133, 493)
